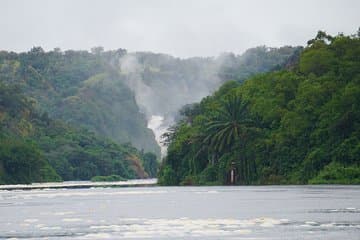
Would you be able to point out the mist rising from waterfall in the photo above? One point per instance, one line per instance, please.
(156, 124)
(163, 84)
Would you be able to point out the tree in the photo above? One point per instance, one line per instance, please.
(227, 134)
(97, 50)
(229, 125)
(150, 164)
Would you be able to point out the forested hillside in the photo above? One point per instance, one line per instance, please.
(298, 125)
(35, 148)
(115, 93)
(81, 112)
(82, 88)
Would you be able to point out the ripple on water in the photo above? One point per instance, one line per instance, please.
(57, 194)
(63, 213)
(141, 228)
(337, 210)
(97, 236)
(185, 227)
(72, 219)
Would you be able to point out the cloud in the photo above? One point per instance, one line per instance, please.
(181, 28)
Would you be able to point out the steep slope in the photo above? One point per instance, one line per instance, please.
(34, 147)
(83, 89)
(300, 125)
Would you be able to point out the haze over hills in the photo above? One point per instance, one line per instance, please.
(163, 84)
(82, 114)
(118, 95)
(92, 89)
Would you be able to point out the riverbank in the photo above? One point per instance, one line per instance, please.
(81, 184)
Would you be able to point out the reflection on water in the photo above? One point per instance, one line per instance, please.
(281, 212)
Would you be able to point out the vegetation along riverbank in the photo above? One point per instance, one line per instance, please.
(298, 124)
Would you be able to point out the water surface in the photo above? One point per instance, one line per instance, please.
(262, 212)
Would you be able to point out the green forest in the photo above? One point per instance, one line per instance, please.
(286, 115)
(62, 117)
(72, 115)
(298, 124)
(35, 148)
(81, 88)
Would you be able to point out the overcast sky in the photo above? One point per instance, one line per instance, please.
(182, 28)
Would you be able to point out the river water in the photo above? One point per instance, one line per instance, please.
(261, 212)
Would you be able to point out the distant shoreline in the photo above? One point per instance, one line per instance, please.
(133, 183)
(81, 184)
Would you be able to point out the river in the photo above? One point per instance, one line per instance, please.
(241, 212)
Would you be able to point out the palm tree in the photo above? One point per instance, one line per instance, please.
(229, 124)
(228, 131)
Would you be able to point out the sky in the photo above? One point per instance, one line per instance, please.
(183, 28)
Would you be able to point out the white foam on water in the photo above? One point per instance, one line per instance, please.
(40, 225)
(327, 225)
(63, 213)
(97, 236)
(212, 191)
(243, 231)
(350, 208)
(63, 186)
(206, 192)
(51, 228)
(84, 194)
(72, 219)
(31, 220)
(111, 227)
(311, 223)
(340, 210)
